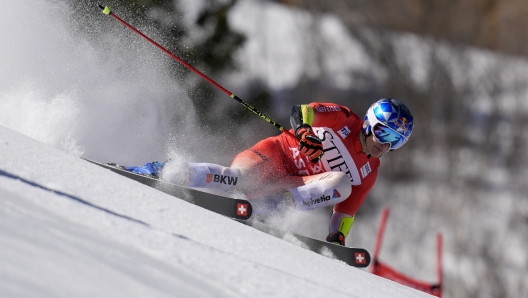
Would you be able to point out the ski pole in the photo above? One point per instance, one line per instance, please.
(107, 11)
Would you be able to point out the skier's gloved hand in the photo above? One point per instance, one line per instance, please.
(309, 144)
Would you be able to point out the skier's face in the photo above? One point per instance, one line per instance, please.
(374, 147)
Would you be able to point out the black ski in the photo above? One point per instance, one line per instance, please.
(357, 257)
(241, 210)
(233, 208)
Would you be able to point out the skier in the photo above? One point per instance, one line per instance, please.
(333, 162)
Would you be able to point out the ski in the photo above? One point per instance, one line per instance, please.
(353, 256)
(230, 207)
(241, 211)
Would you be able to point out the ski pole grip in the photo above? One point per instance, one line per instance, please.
(106, 9)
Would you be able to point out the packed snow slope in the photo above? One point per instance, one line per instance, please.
(69, 228)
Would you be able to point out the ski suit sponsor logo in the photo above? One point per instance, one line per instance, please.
(305, 168)
(322, 199)
(264, 158)
(365, 170)
(312, 202)
(336, 156)
(222, 179)
(328, 109)
(344, 132)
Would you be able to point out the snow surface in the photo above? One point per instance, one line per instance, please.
(101, 92)
(69, 228)
(72, 229)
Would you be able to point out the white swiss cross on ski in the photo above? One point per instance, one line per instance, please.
(242, 209)
(360, 258)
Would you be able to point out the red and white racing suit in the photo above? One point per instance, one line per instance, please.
(339, 129)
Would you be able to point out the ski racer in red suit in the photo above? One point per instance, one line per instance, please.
(333, 162)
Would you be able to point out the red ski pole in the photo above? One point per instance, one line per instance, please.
(107, 11)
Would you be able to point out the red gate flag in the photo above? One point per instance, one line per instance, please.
(385, 271)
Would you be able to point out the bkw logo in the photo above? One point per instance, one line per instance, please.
(228, 180)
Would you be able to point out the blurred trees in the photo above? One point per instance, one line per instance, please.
(209, 49)
(494, 24)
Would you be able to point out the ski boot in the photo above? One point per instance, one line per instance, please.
(341, 223)
(336, 238)
(149, 169)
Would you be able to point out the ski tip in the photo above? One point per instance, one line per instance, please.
(243, 209)
(361, 258)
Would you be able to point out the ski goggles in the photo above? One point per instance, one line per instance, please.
(388, 135)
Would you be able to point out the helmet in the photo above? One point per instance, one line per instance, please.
(393, 122)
